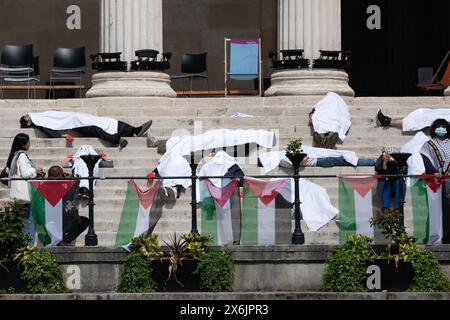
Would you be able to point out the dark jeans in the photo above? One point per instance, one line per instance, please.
(387, 194)
(340, 161)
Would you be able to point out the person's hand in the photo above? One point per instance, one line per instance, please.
(304, 160)
(40, 172)
(386, 157)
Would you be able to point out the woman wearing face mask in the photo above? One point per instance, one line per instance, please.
(436, 158)
(20, 166)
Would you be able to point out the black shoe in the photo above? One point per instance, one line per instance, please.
(383, 120)
(144, 128)
(122, 143)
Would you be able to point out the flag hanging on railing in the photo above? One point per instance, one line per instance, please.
(135, 217)
(220, 211)
(266, 212)
(54, 208)
(360, 199)
(426, 199)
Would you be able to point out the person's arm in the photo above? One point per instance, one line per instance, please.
(379, 165)
(24, 164)
(50, 132)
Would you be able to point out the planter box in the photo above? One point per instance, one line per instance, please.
(190, 281)
(391, 278)
(10, 277)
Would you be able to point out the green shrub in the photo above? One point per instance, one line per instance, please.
(148, 246)
(137, 274)
(12, 236)
(42, 273)
(195, 243)
(216, 271)
(428, 276)
(346, 270)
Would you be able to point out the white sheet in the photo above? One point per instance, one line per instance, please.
(61, 120)
(79, 166)
(316, 206)
(173, 164)
(424, 117)
(331, 115)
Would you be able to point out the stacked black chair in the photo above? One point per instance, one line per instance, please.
(193, 67)
(68, 64)
(17, 65)
(290, 59)
(333, 60)
(106, 61)
(147, 59)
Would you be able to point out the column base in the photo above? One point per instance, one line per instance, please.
(316, 82)
(130, 84)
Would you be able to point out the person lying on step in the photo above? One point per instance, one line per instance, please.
(54, 123)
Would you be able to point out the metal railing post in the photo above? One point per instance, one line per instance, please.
(194, 178)
(91, 238)
(298, 237)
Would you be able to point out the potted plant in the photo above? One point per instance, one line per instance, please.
(12, 238)
(174, 271)
(402, 263)
(295, 153)
(396, 273)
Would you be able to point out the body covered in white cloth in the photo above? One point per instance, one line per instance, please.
(62, 120)
(331, 114)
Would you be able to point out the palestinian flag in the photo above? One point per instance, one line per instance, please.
(360, 199)
(266, 212)
(426, 199)
(135, 217)
(220, 211)
(55, 209)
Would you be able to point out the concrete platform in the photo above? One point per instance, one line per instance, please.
(292, 268)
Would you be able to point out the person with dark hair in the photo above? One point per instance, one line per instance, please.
(77, 223)
(53, 123)
(436, 158)
(20, 166)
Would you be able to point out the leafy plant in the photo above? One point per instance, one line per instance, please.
(428, 276)
(346, 271)
(216, 271)
(195, 244)
(42, 273)
(137, 274)
(177, 253)
(12, 236)
(9, 290)
(294, 147)
(148, 246)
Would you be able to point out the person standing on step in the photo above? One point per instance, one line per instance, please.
(436, 158)
(54, 123)
(20, 166)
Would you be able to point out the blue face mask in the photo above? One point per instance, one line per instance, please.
(441, 132)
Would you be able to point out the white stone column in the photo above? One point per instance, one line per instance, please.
(447, 92)
(311, 25)
(129, 25)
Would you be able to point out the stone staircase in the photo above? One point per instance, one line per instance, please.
(286, 116)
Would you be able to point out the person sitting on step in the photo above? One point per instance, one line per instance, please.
(78, 223)
(54, 123)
